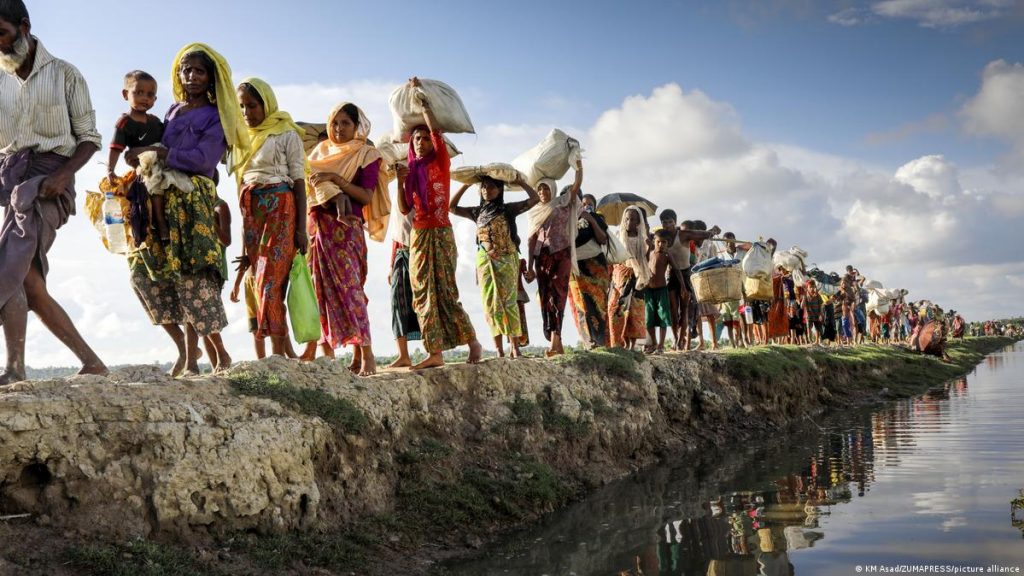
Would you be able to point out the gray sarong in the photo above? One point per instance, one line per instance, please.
(30, 223)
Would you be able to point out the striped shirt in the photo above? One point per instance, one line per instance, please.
(50, 111)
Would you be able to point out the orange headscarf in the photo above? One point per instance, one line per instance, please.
(344, 159)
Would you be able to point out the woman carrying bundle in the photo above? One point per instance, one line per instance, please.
(203, 123)
(344, 184)
(625, 302)
(425, 187)
(588, 285)
(273, 202)
(552, 252)
(497, 258)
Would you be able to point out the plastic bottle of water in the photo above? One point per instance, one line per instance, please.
(113, 223)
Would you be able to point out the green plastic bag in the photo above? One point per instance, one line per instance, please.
(302, 308)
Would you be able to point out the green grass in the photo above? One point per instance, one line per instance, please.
(611, 362)
(136, 558)
(338, 412)
(901, 371)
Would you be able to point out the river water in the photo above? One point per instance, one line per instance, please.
(922, 484)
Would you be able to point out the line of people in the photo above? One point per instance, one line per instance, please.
(322, 200)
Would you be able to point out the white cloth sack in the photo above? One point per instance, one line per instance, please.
(407, 110)
(788, 260)
(497, 170)
(758, 262)
(555, 155)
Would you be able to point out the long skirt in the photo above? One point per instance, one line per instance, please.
(268, 222)
(337, 262)
(778, 320)
(159, 298)
(625, 317)
(404, 323)
(444, 324)
(589, 291)
(194, 246)
(553, 271)
(499, 289)
(193, 258)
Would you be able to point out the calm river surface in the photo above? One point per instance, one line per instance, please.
(925, 481)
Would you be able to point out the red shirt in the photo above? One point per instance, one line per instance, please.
(435, 213)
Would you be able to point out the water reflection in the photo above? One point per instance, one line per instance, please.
(804, 502)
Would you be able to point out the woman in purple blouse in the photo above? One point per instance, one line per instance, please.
(201, 126)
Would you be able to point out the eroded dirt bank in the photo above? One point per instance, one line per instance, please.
(281, 467)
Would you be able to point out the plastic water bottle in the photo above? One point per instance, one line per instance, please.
(113, 224)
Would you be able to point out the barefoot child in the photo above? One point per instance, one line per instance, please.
(497, 259)
(213, 343)
(244, 277)
(136, 129)
(658, 313)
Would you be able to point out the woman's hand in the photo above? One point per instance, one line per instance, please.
(402, 170)
(529, 276)
(241, 263)
(415, 82)
(301, 240)
(318, 178)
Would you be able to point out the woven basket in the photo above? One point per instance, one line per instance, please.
(758, 288)
(718, 285)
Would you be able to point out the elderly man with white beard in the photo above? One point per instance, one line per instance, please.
(47, 133)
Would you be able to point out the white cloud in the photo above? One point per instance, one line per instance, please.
(930, 175)
(942, 13)
(847, 17)
(997, 110)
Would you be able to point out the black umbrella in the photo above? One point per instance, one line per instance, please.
(613, 205)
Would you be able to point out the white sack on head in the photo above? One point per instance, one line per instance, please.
(551, 158)
(496, 170)
(407, 108)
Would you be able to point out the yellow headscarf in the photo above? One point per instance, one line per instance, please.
(235, 131)
(344, 159)
(276, 122)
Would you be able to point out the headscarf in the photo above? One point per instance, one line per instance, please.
(417, 179)
(235, 131)
(274, 123)
(636, 247)
(539, 214)
(491, 209)
(344, 159)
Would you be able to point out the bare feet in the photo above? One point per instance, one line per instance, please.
(223, 360)
(401, 362)
(10, 377)
(98, 368)
(475, 352)
(179, 365)
(515, 354)
(309, 354)
(369, 367)
(435, 360)
(356, 365)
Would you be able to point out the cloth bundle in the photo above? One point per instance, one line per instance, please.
(551, 158)
(406, 104)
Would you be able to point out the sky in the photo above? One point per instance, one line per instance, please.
(887, 134)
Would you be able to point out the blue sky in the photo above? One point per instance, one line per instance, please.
(862, 127)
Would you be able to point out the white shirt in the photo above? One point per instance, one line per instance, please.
(281, 159)
(50, 111)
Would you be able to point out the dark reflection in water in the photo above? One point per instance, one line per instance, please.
(923, 481)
